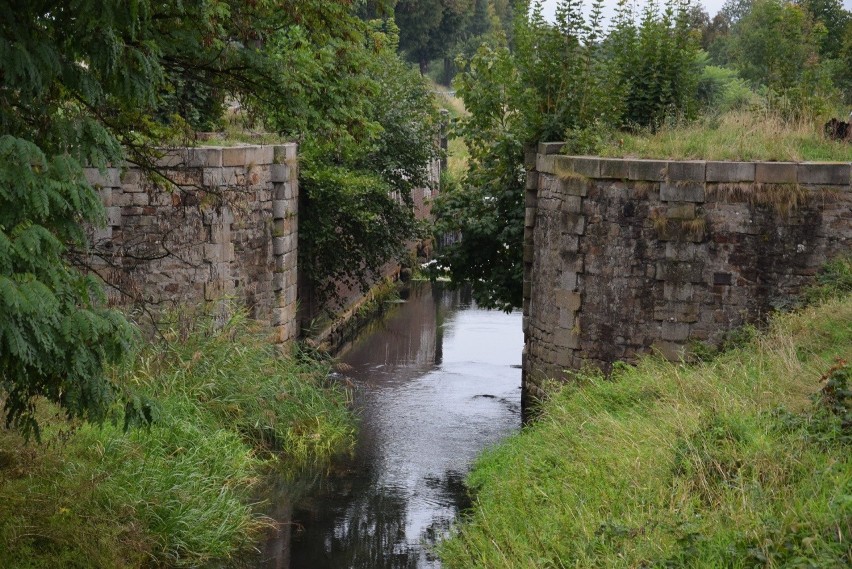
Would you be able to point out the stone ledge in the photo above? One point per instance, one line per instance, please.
(696, 171)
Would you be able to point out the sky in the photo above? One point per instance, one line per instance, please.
(710, 6)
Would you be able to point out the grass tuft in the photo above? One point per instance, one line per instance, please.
(179, 492)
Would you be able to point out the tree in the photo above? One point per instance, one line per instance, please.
(429, 29)
(99, 82)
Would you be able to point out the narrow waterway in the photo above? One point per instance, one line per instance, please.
(436, 381)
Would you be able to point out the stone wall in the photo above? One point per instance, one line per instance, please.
(213, 223)
(627, 256)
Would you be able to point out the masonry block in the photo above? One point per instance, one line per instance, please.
(574, 187)
(680, 271)
(730, 171)
(280, 208)
(676, 312)
(573, 223)
(587, 166)
(280, 172)
(260, 155)
(234, 156)
(682, 191)
(613, 168)
(687, 171)
(530, 199)
(568, 299)
(531, 182)
(672, 351)
(675, 331)
(544, 164)
(529, 217)
(566, 338)
(683, 292)
(832, 174)
(649, 170)
(776, 173)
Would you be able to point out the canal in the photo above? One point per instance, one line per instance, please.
(436, 381)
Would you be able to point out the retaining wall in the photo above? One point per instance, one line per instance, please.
(213, 223)
(627, 256)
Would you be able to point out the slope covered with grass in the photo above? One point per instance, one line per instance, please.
(742, 461)
(178, 493)
(737, 135)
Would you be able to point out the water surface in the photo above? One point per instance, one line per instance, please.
(436, 381)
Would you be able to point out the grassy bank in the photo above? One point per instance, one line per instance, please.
(742, 461)
(737, 135)
(178, 493)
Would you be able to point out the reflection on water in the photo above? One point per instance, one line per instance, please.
(437, 380)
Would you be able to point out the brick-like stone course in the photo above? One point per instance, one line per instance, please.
(224, 226)
(624, 257)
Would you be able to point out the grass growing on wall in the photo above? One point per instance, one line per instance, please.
(743, 461)
(178, 493)
(736, 136)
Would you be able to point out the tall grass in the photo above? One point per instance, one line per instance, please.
(177, 493)
(731, 463)
(737, 136)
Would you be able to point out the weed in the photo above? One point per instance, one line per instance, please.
(219, 401)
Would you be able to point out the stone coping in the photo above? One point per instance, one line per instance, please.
(809, 173)
(278, 156)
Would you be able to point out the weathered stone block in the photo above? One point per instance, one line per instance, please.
(260, 155)
(568, 280)
(672, 351)
(650, 170)
(681, 251)
(113, 215)
(544, 164)
(730, 171)
(284, 152)
(833, 174)
(566, 338)
(530, 199)
(279, 281)
(675, 331)
(687, 171)
(613, 168)
(234, 156)
(682, 292)
(574, 187)
(531, 182)
(587, 166)
(776, 173)
(676, 312)
(680, 271)
(682, 191)
(529, 217)
(230, 176)
(572, 204)
(573, 223)
(279, 173)
(280, 208)
(568, 299)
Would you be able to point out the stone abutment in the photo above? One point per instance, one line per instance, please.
(623, 257)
